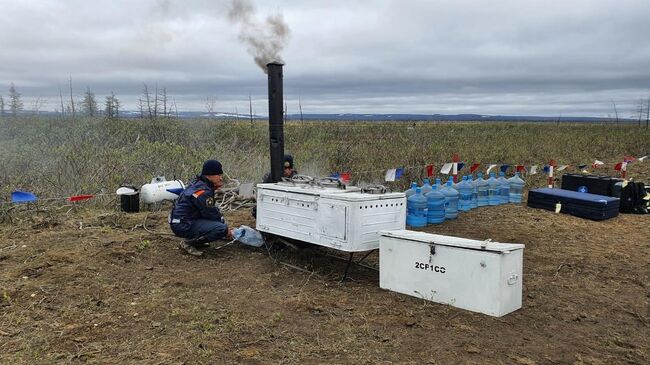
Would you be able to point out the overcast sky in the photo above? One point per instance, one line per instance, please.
(510, 57)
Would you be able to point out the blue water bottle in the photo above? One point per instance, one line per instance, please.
(416, 207)
(493, 190)
(426, 187)
(435, 206)
(482, 186)
(411, 191)
(451, 200)
(516, 188)
(474, 184)
(504, 188)
(465, 190)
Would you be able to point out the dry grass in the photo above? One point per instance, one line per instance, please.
(53, 157)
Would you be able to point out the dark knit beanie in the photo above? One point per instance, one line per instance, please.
(211, 167)
(288, 161)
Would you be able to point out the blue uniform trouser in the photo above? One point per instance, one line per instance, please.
(209, 230)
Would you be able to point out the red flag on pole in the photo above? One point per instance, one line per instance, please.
(474, 167)
(455, 159)
(78, 198)
(618, 166)
(345, 177)
(429, 170)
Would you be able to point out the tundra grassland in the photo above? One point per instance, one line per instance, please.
(88, 284)
(62, 157)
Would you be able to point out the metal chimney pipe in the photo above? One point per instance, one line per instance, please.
(276, 121)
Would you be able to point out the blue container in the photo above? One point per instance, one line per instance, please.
(455, 185)
(439, 185)
(411, 191)
(426, 187)
(504, 188)
(451, 200)
(474, 184)
(465, 190)
(482, 187)
(416, 207)
(435, 206)
(494, 188)
(516, 188)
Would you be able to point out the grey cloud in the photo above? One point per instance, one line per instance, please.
(505, 57)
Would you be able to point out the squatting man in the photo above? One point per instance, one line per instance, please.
(195, 217)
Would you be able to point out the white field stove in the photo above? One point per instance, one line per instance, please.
(328, 213)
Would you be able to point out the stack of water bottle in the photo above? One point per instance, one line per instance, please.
(433, 204)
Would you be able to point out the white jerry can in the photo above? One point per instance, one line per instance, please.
(481, 276)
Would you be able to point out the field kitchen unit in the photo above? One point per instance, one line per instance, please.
(328, 213)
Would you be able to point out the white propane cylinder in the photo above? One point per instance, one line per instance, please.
(156, 191)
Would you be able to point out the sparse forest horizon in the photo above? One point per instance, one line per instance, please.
(156, 102)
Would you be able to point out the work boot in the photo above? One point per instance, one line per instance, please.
(190, 249)
(199, 242)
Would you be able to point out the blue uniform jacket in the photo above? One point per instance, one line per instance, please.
(195, 202)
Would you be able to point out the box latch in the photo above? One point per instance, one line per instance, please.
(513, 278)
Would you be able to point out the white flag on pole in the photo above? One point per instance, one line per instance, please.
(446, 168)
(390, 175)
(490, 169)
(533, 170)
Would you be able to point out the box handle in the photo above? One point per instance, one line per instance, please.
(513, 279)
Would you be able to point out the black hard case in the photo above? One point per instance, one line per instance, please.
(584, 205)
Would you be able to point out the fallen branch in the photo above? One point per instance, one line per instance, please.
(10, 247)
(557, 272)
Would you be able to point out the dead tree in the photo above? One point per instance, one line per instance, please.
(175, 107)
(2, 107)
(155, 103)
(147, 99)
(62, 106)
(15, 102)
(89, 103)
(112, 107)
(210, 103)
(37, 104)
(641, 110)
(300, 107)
(162, 97)
(250, 107)
(647, 113)
(71, 98)
(141, 108)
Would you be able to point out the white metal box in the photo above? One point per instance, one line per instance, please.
(480, 276)
(346, 220)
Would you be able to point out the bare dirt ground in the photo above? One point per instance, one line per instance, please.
(95, 287)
